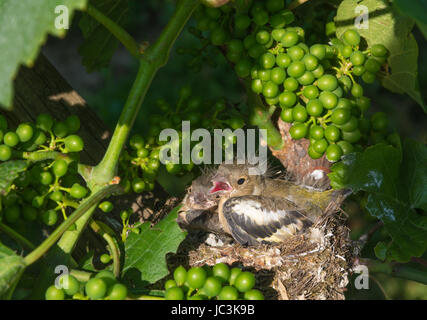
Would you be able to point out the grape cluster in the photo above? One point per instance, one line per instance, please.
(207, 283)
(314, 84)
(139, 165)
(103, 286)
(50, 184)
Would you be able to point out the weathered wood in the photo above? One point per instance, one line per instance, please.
(42, 89)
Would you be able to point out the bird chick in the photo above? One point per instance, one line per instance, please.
(255, 208)
(198, 211)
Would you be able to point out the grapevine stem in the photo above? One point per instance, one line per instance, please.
(15, 235)
(121, 34)
(154, 58)
(56, 234)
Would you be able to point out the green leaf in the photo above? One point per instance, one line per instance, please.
(417, 10)
(395, 183)
(381, 250)
(173, 185)
(9, 171)
(11, 268)
(145, 252)
(393, 30)
(25, 25)
(100, 45)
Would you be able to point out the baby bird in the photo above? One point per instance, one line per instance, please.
(254, 208)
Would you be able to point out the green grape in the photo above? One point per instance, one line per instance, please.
(316, 132)
(318, 72)
(299, 113)
(234, 272)
(174, 293)
(350, 125)
(290, 84)
(77, 191)
(357, 58)
(327, 83)
(314, 108)
(357, 90)
(74, 143)
(236, 46)
(296, 69)
(137, 142)
(11, 214)
(59, 168)
(351, 37)
(368, 77)
(11, 139)
(257, 86)
(212, 286)
(320, 146)
(117, 291)
(372, 65)
(49, 217)
(73, 123)
(170, 284)
(228, 293)
(277, 34)
(95, 288)
(218, 36)
(52, 293)
(275, 5)
(263, 37)
(298, 131)
(333, 153)
(328, 99)
(105, 258)
(5, 152)
(378, 50)
(296, 53)
(253, 295)
(313, 154)
(379, 121)
(311, 62)
(318, 50)
(25, 132)
(345, 82)
(44, 121)
(346, 51)
(332, 133)
(69, 284)
(249, 41)
(243, 68)
(106, 206)
(270, 89)
(138, 185)
(264, 75)
(310, 92)
(180, 275)
(306, 79)
(60, 129)
(358, 70)
(221, 271)
(267, 60)
(261, 18)
(340, 115)
(242, 22)
(352, 136)
(196, 277)
(344, 103)
(286, 115)
(277, 75)
(245, 281)
(290, 39)
(283, 60)
(287, 99)
(142, 153)
(345, 146)
(45, 178)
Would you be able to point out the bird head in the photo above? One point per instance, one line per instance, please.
(234, 180)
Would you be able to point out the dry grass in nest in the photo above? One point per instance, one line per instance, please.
(311, 266)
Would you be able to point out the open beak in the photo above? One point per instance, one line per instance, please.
(219, 186)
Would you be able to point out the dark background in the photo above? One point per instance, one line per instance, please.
(106, 92)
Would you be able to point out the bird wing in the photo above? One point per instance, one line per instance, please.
(253, 219)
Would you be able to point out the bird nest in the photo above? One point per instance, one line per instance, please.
(313, 266)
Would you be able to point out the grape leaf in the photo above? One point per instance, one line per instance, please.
(100, 45)
(393, 30)
(11, 268)
(395, 183)
(9, 171)
(145, 252)
(417, 10)
(25, 25)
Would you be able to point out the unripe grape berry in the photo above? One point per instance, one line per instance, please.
(296, 53)
(77, 191)
(357, 58)
(95, 288)
(299, 113)
(318, 50)
(49, 217)
(11, 139)
(316, 132)
(286, 115)
(296, 69)
(106, 206)
(332, 133)
(351, 37)
(5, 152)
(320, 146)
(117, 291)
(24, 132)
(333, 152)
(253, 294)
(196, 277)
(378, 50)
(73, 123)
(270, 89)
(222, 271)
(228, 293)
(245, 281)
(277, 75)
(60, 129)
(180, 275)
(287, 99)
(298, 131)
(243, 68)
(328, 99)
(283, 60)
(60, 168)
(327, 83)
(290, 39)
(340, 115)
(291, 84)
(11, 214)
(52, 293)
(368, 77)
(174, 293)
(212, 286)
(314, 108)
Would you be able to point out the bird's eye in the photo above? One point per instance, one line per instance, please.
(241, 181)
